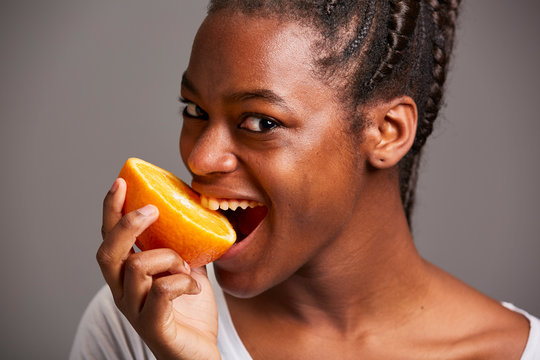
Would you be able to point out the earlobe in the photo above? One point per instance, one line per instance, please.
(395, 129)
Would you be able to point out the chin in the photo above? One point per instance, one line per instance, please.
(240, 285)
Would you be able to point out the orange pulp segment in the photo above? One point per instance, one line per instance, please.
(197, 234)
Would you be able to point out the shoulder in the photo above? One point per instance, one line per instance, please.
(495, 333)
(472, 325)
(512, 334)
(500, 332)
(104, 333)
(532, 347)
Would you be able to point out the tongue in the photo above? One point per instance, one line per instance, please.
(245, 221)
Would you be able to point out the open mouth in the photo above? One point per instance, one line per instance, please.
(243, 215)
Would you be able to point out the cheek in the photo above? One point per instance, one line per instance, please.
(320, 203)
(315, 193)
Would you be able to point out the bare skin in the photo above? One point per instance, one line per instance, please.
(332, 271)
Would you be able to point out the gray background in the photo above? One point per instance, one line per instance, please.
(86, 84)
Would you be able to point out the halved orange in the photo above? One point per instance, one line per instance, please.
(197, 234)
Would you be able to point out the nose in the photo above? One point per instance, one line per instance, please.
(212, 152)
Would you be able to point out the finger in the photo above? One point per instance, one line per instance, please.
(112, 205)
(200, 275)
(117, 245)
(158, 305)
(139, 272)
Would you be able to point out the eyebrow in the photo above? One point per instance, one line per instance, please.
(266, 95)
(188, 84)
(258, 94)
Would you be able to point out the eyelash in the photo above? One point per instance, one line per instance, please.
(245, 117)
(187, 103)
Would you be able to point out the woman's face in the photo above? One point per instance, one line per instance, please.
(261, 126)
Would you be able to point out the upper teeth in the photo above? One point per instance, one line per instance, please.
(227, 204)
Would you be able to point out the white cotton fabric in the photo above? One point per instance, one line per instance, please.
(532, 349)
(229, 343)
(104, 333)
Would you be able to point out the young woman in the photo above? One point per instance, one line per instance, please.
(317, 111)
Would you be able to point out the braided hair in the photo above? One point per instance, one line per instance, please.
(376, 50)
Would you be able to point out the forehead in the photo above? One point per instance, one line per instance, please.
(233, 51)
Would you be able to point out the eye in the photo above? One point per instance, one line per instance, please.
(193, 110)
(258, 124)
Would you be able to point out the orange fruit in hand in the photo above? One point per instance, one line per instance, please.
(197, 234)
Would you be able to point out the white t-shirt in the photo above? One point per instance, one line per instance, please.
(104, 333)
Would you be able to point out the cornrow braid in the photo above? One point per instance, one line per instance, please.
(401, 25)
(363, 30)
(443, 16)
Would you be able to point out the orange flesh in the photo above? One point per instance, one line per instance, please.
(198, 234)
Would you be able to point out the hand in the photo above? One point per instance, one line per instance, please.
(171, 306)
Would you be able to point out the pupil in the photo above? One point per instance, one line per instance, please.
(267, 124)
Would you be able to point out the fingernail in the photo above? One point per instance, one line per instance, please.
(187, 267)
(147, 210)
(114, 187)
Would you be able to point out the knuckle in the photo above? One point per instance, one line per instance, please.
(104, 257)
(184, 282)
(161, 287)
(135, 264)
(172, 256)
(127, 222)
(103, 232)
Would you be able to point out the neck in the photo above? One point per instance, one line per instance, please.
(372, 276)
(367, 287)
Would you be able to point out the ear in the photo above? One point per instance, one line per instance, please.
(392, 131)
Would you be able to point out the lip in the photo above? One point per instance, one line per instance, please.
(223, 193)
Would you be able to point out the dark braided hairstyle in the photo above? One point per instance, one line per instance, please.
(374, 50)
